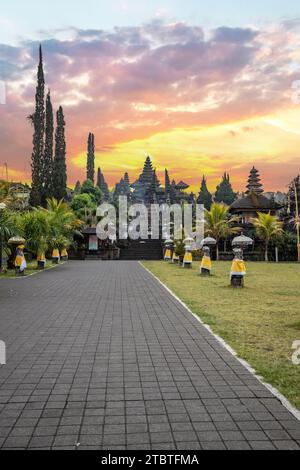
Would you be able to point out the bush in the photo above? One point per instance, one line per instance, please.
(80, 201)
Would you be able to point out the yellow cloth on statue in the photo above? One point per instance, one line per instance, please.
(206, 263)
(175, 257)
(238, 267)
(168, 254)
(55, 253)
(64, 253)
(188, 257)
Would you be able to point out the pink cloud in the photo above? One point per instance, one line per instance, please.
(99, 76)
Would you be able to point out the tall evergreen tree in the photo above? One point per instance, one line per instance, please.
(38, 121)
(59, 166)
(254, 184)
(77, 187)
(101, 183)
(224, 192)
(48, 154)
(204, 196)
(90, 166)
(167, 187)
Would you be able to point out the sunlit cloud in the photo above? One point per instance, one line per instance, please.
(198, 102)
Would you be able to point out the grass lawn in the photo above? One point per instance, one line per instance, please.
(31, 269)
(260, 322)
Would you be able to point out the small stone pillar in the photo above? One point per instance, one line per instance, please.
(168, 250)
(205, 266)
(188, 256)
(238, 269)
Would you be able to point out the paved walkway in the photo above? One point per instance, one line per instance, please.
(99, 353)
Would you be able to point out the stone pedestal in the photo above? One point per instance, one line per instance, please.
(205, 272)
(237, 281)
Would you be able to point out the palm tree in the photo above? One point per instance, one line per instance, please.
(36, 228)
(218, 223)
(267, 227)
(63, 223)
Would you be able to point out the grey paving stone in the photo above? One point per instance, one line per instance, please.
(66, 440)
(90, 440)
(286, 445)
(163, 446)
(184, 436)
(115, 359)
(16, 442)
(231, 436)
(213, 445)
(237, 445)
(255, 436)
(114, 439)
(20, 431)
(277, 434)
(134, 428)
(188, 446)
(261, 445)
(41, 441)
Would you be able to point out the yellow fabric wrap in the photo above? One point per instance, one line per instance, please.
(41, 257)
(188, 258)
(64, 252)
(206, 263)
(55, 253)
(175, 257)
(19, 260)
(168, 254)
(238, 267)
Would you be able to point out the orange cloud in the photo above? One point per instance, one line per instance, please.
(197, 103)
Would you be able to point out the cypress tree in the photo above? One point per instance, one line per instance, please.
(59, 166)
(204, 196)
(101, 183)
(167, 187)
(224, 191)
(90, 166)
(48, 155)
(38, 122)
(77, 187)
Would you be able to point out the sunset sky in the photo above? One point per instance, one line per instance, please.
(202, 87)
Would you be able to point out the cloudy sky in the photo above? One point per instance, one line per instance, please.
(202, 87)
